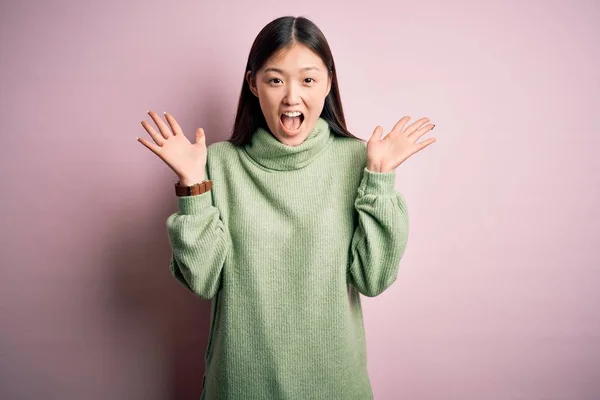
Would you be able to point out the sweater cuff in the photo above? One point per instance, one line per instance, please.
(196, 204)
(378, 183)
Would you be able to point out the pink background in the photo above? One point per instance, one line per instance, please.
(498, 292)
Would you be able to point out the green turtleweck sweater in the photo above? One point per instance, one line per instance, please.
(283, 244)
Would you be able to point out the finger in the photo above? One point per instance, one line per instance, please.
(377, 133)
(164, 129)
(155, 136)
(173, 124)
(400, 124)
(154, 148)
(423, 144)
(415, 125)
(423, 130)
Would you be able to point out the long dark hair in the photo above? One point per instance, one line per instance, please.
(276, 35)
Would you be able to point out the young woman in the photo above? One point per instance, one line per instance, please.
(286, 223)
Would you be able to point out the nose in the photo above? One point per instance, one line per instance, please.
(292, 95)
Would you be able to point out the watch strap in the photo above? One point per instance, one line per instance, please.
(193, 190)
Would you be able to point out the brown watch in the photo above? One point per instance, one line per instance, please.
(193, 190)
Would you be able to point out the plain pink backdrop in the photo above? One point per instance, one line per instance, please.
(498, 292)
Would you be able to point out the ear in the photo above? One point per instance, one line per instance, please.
(251, 83)
(328, 86)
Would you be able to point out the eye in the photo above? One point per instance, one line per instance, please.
(274, 79)
(310, 79)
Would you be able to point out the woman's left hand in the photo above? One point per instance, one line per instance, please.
(385, 155)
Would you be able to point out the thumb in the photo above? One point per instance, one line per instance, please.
(200, 137)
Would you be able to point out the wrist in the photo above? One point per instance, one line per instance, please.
(374, 168)
(190, 181)
(379, 169)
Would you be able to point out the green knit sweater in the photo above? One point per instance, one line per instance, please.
(283, 244)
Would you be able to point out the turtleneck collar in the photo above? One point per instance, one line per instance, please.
(269, 152)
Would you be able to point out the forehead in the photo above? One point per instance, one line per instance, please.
(297, 58)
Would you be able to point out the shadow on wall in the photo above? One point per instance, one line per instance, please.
(145, 294)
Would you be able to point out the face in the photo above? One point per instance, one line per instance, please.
(292, 80)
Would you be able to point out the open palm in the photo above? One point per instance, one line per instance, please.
(186, 159)
(385, 155)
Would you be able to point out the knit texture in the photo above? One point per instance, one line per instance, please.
(282, 245)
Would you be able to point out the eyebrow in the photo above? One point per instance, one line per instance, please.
(301, 69)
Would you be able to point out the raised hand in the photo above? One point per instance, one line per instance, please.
(187, 160)
(385, 155)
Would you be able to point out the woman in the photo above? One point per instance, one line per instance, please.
(283, 225)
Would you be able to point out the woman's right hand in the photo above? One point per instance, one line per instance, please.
(187, 160)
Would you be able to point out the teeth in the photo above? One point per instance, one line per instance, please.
(293, 114)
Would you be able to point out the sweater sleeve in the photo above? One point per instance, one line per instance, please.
(200, 243)
(380, 237)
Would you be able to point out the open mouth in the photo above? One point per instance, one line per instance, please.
(291, 124)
